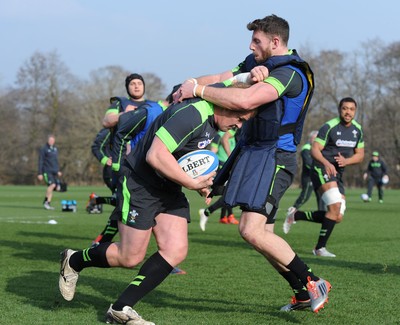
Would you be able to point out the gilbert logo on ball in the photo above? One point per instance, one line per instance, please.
(199, 162)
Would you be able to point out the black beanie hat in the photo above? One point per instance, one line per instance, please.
(130, 78)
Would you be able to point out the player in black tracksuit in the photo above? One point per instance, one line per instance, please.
(101, 149)
(306, 184)
(375, 171)
(49, 169)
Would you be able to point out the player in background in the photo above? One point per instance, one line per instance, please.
(339, 143)
(375, 176)
(49, 169)
(135, 87)
(222, 145)
(306, 183)
(101, 149)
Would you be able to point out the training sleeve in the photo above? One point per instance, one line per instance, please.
(129, 125)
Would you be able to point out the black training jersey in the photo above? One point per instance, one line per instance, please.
(48, 160)
(183, 128)
(377, 169)
(101, 146)
(306, 158)
(335, 138)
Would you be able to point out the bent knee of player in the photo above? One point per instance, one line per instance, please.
(333, 212)
(255, 237)
(176, 256)
(132, 260)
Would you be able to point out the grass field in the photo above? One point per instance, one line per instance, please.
(226, 282)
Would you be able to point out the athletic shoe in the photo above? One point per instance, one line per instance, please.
(318, 291)
(47, 206)
(177, 270)
(91, 203)
(203, 220)
(68, 276)
(296, 305)
(126, 316)
(224, 220)
(94, 244)
(289, 221)
(232, 220)
(380, 201)
(323, 252)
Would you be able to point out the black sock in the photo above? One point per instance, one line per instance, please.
(217, 205)
(95, 256)
(223, 213)
(326, 231)
(109, 232)
(206, 212)
(301, 270)
(151, 274)
(111, 200)
(45, 200)
(299, 290)
(313, 216)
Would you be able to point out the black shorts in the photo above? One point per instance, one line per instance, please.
(50, 178)
(138, 204)
(285, 170)
(320, 177)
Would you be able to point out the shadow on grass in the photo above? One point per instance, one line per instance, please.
(372, 268)
(28, 251)
(50, 235)
(40, 289)
(19, 207)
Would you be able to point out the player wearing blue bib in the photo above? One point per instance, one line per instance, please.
(264, 164)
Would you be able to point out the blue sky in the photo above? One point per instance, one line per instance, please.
(178, 39)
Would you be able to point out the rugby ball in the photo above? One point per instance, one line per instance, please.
(385, 179)
(198, 162)
(365, 197)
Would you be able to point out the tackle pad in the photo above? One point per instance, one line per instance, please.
(251, 177)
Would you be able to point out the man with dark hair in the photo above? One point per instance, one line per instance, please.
(135, 88)
(339, 143)
(265, 159)
(49, 169)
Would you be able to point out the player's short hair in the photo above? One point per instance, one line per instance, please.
(347, 100)
(272, 25)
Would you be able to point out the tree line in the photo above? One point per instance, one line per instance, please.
(48, 99)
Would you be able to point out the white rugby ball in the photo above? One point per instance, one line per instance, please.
(385, 179)
(198, 162)
(364, 197)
